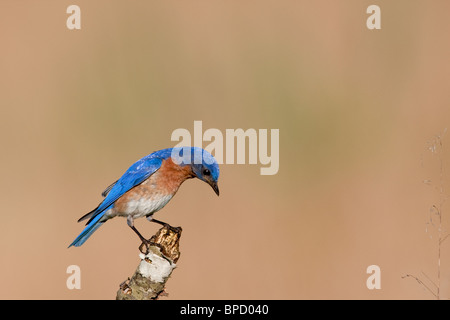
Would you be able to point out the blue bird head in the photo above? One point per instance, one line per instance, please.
(203, 164)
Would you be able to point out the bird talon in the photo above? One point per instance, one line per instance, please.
(147, 244)
(173, 229)
(147, 248)
(176, 229)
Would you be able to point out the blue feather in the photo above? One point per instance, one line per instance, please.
(87, 232)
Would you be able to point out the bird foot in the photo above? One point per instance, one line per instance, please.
(147, 244)
(173, 229)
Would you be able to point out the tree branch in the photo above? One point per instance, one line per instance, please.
(421, 282)
(149, 280)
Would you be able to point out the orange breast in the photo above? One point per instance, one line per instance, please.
(164, 182)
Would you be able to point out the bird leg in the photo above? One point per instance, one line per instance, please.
(145, 242)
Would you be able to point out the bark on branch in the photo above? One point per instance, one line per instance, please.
(149, 280)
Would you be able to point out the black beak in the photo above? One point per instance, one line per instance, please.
(215, 187)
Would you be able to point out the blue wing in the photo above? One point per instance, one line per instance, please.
(135, 175)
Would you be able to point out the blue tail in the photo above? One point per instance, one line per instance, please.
(88, 231)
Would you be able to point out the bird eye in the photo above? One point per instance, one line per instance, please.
(206, 172)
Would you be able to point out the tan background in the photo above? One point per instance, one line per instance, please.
(355, 109)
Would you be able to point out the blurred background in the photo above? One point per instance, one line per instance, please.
(357, 111)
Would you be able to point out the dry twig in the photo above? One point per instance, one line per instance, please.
(156, 266)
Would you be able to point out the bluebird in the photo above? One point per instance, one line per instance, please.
(148, 185)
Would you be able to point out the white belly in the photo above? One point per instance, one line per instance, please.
(145, 206)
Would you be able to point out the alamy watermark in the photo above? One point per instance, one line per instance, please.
(236, 144)
(74, 280)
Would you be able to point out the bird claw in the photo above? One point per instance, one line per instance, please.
(173, 229)
(147, 244)
(147, 248)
